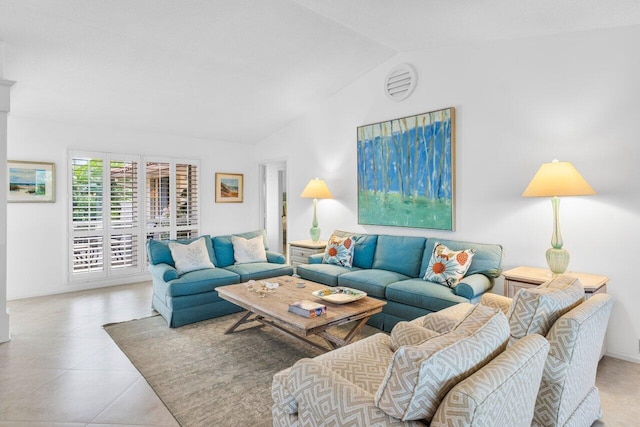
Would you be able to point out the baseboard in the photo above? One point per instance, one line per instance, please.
(85, 286)
(623, 357)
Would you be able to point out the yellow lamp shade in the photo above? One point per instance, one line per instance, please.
(316, 189)
(557, 179)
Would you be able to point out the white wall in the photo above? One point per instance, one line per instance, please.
(37, 232)
(574, 97)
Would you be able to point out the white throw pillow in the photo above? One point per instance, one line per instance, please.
(190, 257)
(248, 250)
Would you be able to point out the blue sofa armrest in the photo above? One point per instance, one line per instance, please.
(473, 286)
(276, 258)
(164, 271)
(316, 258)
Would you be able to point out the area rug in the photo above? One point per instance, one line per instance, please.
(207, 378)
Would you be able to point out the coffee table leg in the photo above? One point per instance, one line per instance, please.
(242, 321)
(336, 342)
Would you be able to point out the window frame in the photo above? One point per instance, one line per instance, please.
(141, 228)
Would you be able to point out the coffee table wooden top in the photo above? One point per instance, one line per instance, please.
(275, 305)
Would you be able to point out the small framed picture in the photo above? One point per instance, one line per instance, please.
(30, 182)
(229, 188)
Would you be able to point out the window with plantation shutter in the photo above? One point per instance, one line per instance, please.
(172, 195)
(124, 229)
(120, 201)
(187, 199)
(87, 176)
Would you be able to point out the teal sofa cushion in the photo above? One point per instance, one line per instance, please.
(401, 254)
(276, 258)
(159, 252)
(199, 281)
(364, 250)
(487, 259)
(223, 247)
(422, 294)
(316, 258)
(259, 270)
(372, 281)
(326, 274)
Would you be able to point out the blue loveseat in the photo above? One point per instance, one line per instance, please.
(191, 297)
(392, 268)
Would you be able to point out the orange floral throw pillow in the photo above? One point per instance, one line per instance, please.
(339, 251)
(447, 267)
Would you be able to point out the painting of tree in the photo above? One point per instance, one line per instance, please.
(406, 171)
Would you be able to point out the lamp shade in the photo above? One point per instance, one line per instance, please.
(316, 189)
(556, 179)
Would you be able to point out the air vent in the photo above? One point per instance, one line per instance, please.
(400, 82)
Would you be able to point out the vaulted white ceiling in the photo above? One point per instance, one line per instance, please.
(238, 70)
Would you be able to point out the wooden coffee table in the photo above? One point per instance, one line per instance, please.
(272, 310)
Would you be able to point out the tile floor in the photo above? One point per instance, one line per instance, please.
(61, 369)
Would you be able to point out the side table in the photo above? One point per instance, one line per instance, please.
(301, 250)
(528, 277)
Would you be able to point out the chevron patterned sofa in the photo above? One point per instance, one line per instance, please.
(392, 268)
(191, 297)
(417, 377)
(575, 329)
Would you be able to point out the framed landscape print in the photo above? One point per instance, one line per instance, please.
(406, 171)
(229, 188)
(30, 181)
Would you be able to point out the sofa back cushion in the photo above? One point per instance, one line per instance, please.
(158, 250)
(402, 254)
(535, 310)
(487, 259)
(246, 251)
(223, 246)
(190, 257)
(363, 249)
(420, 376)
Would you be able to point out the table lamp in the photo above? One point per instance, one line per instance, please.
(316, 189)
(553, 180)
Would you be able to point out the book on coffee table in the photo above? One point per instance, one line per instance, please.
(307, 308)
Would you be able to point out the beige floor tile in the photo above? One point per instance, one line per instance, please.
(48, 352)
(138, 405)
(108, 358)
(75, 396)
(16, 383)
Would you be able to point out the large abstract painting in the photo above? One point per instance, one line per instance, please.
(406, 171)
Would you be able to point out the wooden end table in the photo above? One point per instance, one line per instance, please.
(272, 310)
(529, 277)
(301, 250)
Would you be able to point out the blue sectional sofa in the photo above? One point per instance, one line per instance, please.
(392, 268)
(191, 297)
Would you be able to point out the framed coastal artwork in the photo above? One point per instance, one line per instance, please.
(229, 188)
(406, 171)
(30, 182)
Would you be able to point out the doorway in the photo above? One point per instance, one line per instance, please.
(273, 202)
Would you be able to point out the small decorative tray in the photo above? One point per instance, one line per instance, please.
(339, 294)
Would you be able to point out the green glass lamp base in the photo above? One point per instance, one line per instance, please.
(315, 234)
(558, 260)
